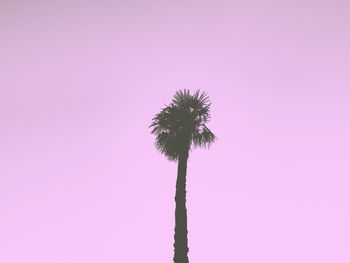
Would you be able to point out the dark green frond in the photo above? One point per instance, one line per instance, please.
(203, 137)
(182, 124)
(181, 97)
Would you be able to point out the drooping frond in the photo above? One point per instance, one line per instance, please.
(203, 137)
(182, 124)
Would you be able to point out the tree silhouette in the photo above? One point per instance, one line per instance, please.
(179, 127)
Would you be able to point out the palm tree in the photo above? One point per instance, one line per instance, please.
(178, 127)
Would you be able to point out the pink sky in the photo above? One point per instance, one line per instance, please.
(80, 179)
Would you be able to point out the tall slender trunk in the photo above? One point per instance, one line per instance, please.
(181, 242)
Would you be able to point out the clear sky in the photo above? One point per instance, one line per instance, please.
(80, 179)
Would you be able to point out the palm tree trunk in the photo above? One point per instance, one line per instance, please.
(181, 242)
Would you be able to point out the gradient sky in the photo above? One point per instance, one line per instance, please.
(80, 179)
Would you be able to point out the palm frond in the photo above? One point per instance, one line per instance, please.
(203, 137)
(182, 124)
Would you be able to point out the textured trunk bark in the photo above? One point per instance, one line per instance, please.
(181, 241)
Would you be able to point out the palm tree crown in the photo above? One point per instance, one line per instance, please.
(182, 124)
